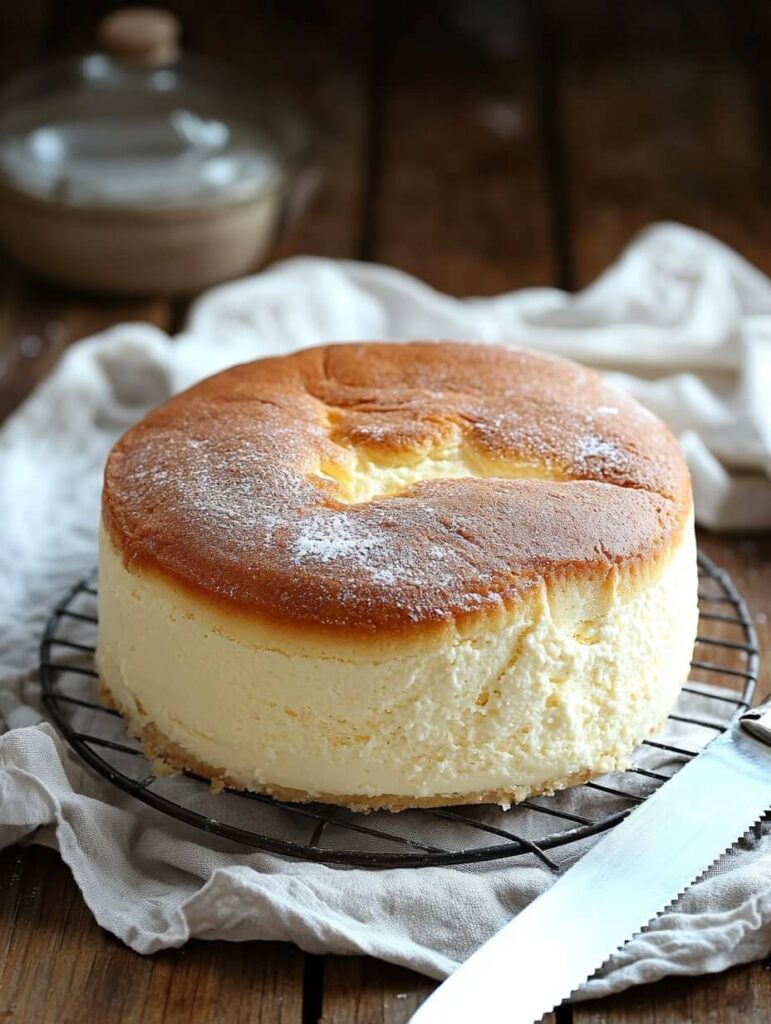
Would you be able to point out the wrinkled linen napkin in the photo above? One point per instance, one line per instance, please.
(683, 323)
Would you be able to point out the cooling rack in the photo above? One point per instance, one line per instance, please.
(722, 683)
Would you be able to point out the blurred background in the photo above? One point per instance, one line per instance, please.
(483, 145)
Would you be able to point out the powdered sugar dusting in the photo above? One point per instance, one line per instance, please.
(591, 447)
(332, 535)
(387, 576)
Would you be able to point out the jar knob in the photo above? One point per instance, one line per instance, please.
(147, 36)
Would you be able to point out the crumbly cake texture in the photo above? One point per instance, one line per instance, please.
(527, 467)
(397, 575)
(167, 757)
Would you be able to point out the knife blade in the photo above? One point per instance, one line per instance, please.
(628, 878)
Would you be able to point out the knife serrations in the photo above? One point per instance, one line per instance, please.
(613, 892)
(663, 909)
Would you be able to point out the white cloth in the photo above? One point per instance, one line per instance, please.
(689, 324)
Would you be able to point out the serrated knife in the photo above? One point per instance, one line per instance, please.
(558, 941)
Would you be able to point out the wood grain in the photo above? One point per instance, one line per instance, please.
(742, 994)
(57, 966)
(359, 990)
(748, 560)
(661, 122)
(461, 200)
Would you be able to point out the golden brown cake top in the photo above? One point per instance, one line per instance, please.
(382, 486)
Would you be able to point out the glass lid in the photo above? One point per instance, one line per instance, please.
(135, 124)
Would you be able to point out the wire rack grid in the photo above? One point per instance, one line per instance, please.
(722, 685)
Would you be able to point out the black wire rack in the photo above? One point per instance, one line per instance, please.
(721, 685)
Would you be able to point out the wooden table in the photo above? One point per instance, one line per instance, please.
(484, 147)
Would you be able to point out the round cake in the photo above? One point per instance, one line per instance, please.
(397, 575)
